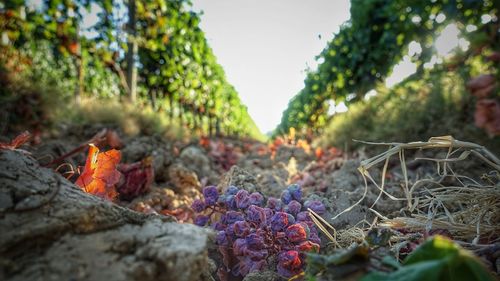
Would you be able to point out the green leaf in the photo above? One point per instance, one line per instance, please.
(437, 259)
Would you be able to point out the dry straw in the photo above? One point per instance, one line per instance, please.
(468, 208)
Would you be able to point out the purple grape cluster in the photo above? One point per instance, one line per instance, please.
(251, 230)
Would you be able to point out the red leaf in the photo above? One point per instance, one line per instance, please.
(138, 177)
(480, 81)
(100, 175)
(487, 116)
(17, 141)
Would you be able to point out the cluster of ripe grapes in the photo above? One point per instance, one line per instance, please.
(254, 232)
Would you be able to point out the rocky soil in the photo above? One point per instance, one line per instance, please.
(51, 229)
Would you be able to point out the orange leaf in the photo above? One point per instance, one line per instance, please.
(17, 141)
(100, 175)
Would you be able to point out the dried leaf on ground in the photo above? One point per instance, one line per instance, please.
(17, 141)
(100, 174)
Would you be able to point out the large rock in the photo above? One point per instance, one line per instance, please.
(155, 146)
(240, 178)
(51, 230)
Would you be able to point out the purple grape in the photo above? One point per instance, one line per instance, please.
(316, 206)
(293, 207)
(286, 197)
(279, 221)
(307, 246)
(255, 241)
(313, 237)
(274, 203)
(230, 229)
(211, 195)
(221, 238)
(256, 214)
(258, 265)
(253, 234)
(290, 260)
(232, 190)
(284, 272)
(218, 226)
(242, 200)
(256, 199)
(295, 191)
(269, 213)
(230, 202)
(241, 228)
(297, 232)
(303, 216)
(258, 254)
(198, 205)
(201, 220)
(232, 217)
(239, 247)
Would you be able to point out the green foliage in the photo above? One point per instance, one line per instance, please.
(422, 106)
(437, 259)
(368, 46)
(178, 73)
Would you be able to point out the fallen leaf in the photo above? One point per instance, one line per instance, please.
(17, 141)
(137, 178)
(100, 174)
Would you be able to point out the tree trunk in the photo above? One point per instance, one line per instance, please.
(152, 98)
(78, 58)
(132, 52)
(52, 230)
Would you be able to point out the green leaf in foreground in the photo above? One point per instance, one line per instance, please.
(437, 259)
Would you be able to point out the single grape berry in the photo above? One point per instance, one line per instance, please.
(218, 226)
(211, 195)
(230, 202)
(258, 254)
(274, 204)
(297, 232)
(198, 205)
(293, 207)
(221, 238)
(241, 199)
(232, 190)
(286, 197)
(289, 263)
(256, 199)
(295, 191)
(303, 216)
(241, 228)
(240, 246)
(256, 214)
(313, 237)
(201, 220)
(232, 217)
(279, 221)
(307, 246)
(316, 206)
(255, 241)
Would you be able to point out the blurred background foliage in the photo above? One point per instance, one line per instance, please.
(149, 54)
(434, 100)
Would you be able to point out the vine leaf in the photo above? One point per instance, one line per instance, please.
(17, 141)
(100, 174)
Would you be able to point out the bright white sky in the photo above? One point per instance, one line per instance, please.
(264, 47)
